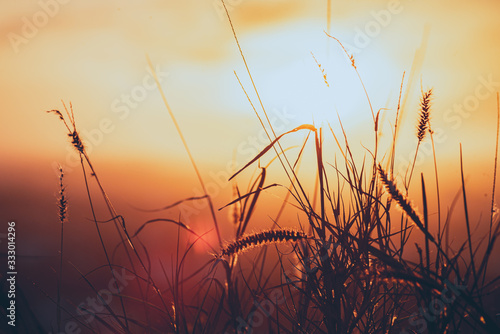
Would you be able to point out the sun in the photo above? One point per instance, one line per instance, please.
(301, 68)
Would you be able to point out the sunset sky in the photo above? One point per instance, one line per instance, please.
(94, 55)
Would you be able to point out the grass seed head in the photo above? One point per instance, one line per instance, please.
(62, 202)
(270, 236)
(397, 196)
(425, 108)
(77, 142)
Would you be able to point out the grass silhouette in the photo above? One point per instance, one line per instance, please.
(343, 270)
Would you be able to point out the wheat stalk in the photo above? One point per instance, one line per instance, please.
(252, 240)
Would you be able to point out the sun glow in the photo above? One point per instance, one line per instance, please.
(301, 68)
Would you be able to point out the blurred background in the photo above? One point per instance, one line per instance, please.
(93, 54)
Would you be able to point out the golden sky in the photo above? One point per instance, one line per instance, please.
(93, 54)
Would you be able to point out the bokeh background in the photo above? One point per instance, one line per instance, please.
(93, 54)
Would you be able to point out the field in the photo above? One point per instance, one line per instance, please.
(377, 218)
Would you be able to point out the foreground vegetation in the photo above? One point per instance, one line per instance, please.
(347, 267)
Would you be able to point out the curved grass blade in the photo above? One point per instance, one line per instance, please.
(268, 147)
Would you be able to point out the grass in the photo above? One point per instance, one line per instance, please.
(344, 269)
(62, 204)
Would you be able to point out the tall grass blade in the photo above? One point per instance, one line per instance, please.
(467, 222)
(426, 221)
(186, 147)
(268, 147)
(495, 167)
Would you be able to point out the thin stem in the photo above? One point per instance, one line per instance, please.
(437, 190)
(495, 168)
(60, 280)
(467, 223)
(188, 151)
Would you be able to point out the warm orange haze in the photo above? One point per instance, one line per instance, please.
(338, 66)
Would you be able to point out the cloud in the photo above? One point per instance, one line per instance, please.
(251, 14)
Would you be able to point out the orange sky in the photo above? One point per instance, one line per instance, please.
(93, 54)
